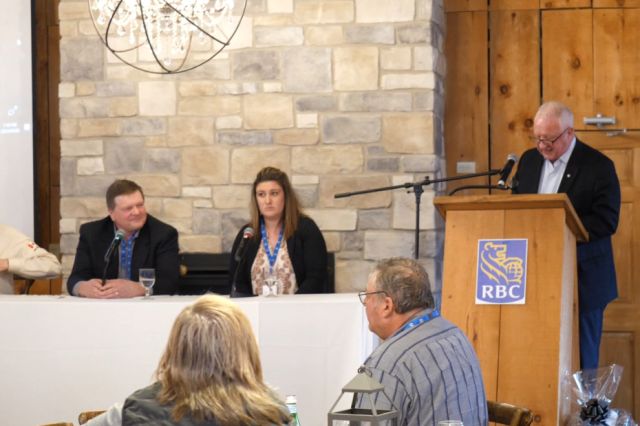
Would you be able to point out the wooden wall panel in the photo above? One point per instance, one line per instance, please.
(621, 348)
(563, 4)
(567, 61)
(466, 131)
(617, 88)
(514, 5)
(465, 5)
(616, 3)
(515, 82)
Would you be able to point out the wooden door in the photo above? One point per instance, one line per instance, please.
(594, 69)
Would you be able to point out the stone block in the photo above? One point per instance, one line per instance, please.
(157, 98)
(196, 191)
(90, 166)
(356, 68)
(197, 88)
(408, 133)
(297, 180)
(256, 65)
(273, 21)
(353, 241)
(79, 207)
(333, 241)
(68, 226)
(68, 175)
(201, 243)
(158, 160)
(245, 138)
(375, 11)
(202, 204)
(424, 101)
(349, 129)
(210, 106)
(123, 107)
(177, 208)
(316, 103)
(81, 58)
(404, 207)
(68, 29)
(123, 155)
(115, 88)
(205, 165)
(234, 88)
(207, 221)
(331, 185)
(83, 107)
(66, 90)
(80, 147)
(413, 34)
(385, 244)
(268, 111)
(69, 243)
(144, 126)
(375, 102)
(307, 70)
(97, 127)
(379, 34)
(420, 163)
(307, 195)
(334, 219)
(377, 219)
(71, 11)
(229, 122)
(232, 222)
(158, 185)
(280, 6)
(352, 275)
(307, 120)
(190, 131)
(278, 36)
(323, 11)
(272, 87)
(92, 186)
(294, 137)
(69, 128)
(246, 162)
(85, 88)
(395, 58)
(385, 164)
(325, 35)
(232, 196)
(409, 81)
(423, 58)
(327, 159)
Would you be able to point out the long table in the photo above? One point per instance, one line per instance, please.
(63, 355)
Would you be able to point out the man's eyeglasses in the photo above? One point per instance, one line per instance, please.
(538, 140)
(363, 294)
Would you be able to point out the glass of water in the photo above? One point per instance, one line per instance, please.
(147, 277)
(450, 423)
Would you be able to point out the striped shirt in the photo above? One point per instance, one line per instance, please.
(431, 373)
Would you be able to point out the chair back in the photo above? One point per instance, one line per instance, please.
(85, 416)
(507, 414)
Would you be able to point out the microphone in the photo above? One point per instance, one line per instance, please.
(246, 235)
(114, 244)
(107, 256)
(506, 170)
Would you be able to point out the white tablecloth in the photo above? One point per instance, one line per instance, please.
(63, 355)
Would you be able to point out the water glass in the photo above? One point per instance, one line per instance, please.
(147, 277)
(450, 423)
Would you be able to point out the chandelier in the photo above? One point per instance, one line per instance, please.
(166, 36)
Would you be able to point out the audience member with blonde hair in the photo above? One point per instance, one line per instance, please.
(210, 373)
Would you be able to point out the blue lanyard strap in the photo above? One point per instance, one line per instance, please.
(420, 320)
(265, 243)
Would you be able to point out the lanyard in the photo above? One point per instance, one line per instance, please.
(265, 243)
(420, 320)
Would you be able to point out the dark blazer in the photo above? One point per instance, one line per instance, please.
(156, 247)
(591, 183)
(307, 250)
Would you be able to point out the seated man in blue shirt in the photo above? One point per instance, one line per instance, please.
(426, 364)
(147, 243)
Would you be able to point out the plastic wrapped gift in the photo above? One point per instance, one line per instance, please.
(593, 391)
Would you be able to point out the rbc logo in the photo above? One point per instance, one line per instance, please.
(501, 272)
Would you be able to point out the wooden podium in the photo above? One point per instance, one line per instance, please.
(524, 350)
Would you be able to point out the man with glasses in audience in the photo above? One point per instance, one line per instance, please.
(426, 364)
(560, 163)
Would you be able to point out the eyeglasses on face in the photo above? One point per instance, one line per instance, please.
(363, 294)
(542, 141)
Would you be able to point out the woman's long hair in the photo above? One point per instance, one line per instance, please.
(211, 368)
(291, 213)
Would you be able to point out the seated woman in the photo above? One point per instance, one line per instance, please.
(210, 373)
(280, 245)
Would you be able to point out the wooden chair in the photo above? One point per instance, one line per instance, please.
(85, 416)
(507, 414)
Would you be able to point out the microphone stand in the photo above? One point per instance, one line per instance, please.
(234, 284)
(417, 191)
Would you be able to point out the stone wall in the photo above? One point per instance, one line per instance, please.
(342, 94)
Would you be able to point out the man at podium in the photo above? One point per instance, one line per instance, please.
(560, 163)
